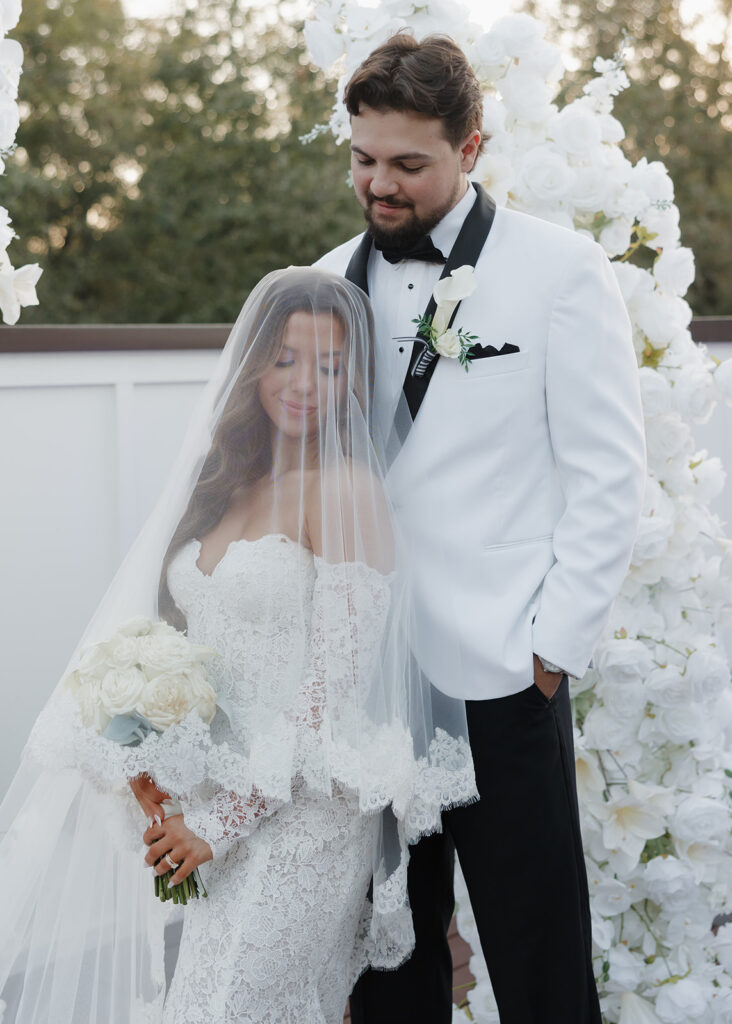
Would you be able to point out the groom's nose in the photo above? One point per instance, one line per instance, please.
(383, 183)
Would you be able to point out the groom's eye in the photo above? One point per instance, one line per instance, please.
(412, 170)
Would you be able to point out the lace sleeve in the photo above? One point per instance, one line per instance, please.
(227, 818)
(349, 613)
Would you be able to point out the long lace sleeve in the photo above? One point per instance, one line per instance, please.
(350, 611)
(226, 818)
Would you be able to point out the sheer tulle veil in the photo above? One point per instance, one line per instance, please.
(283, 451)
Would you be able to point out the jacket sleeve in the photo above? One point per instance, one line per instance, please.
(596, 428)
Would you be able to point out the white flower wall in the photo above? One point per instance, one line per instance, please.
(654, 716)
(17, 287)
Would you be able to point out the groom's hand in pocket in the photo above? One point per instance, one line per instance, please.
(547, 682)
(182, 845)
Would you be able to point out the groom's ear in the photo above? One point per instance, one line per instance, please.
(469, 151)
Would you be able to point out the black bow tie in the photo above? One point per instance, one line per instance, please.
(424, 249)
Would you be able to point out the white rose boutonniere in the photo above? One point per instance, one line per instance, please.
(442, 339)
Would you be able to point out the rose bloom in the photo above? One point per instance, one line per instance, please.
(166, 701)
(121, 690)
(448, 344)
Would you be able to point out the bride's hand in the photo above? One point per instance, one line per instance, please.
(183, 847)
(149, 797)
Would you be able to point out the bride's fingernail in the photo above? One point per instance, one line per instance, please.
(157, 820)
(149, 823)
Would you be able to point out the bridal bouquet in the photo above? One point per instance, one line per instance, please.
(145, 678)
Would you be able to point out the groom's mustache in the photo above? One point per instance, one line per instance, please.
(386, 200)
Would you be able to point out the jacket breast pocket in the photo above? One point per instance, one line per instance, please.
(494, 365)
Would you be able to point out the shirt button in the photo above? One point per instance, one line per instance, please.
(410, 285)
(401, 348)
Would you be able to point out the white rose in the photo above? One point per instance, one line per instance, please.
(681, 1001)
(723, 380)
(625, 969)
(654, 179)
(623, 661)
(708, 673)
(694, 394)
(663, 222)
(610, 897)
(605, 731)
(710, 479)
(86, 694)
(674, 270)
(324, 44)
(589, 189)
(632, 280)
(9, 121)
(678, 725)
(655, 392)
(635, 1010)
(93, 661)
(576, 128)
(494, 115)
(497, 176)
(612, 130)
(615, 236)
(448, 344)
(490, 49)
(168, 653)
(166, 700)
(525, 94)
(203, 695)
(139, 626)
(121, 690)
(660, 316)
(652, 537)
(546, 174)
(520, 33)
(701, 819)
(668, 688)
(123, 653)
(11, 62)
(667, 437)
(669, 883)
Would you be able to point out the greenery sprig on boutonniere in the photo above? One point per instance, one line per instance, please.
(440, 338)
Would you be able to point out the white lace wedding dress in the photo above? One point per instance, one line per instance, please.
(278, 941)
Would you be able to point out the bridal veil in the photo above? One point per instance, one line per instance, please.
(323, 689)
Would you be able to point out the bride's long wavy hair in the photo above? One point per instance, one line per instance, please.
(241, 449)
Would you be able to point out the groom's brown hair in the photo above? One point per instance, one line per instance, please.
(432, 77)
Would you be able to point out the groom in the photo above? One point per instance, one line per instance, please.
(520, 487)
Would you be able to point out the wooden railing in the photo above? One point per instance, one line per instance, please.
(161, 337)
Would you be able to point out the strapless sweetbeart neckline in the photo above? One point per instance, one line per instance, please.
(280, 538)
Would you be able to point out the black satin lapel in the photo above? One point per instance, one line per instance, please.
(467, 248)
(358, 264)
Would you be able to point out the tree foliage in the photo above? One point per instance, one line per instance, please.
(159, 172)
(679, 110)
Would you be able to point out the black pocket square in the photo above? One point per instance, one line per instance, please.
(484, 351)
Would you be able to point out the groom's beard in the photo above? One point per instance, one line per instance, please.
(407, 234)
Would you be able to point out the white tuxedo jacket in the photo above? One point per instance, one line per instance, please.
(520, 483)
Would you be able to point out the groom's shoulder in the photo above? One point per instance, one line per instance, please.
(513, 227)
(337, 259)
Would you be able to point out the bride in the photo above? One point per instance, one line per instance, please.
(274, 546)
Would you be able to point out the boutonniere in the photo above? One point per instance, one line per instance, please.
(440, 338)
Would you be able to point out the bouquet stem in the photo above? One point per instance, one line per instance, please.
(191, 888)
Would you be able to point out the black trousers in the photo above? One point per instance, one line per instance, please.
(521, 854)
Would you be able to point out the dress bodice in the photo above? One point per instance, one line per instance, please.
(254, 609)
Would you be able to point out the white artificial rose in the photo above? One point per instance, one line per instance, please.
(494, 116)
(632, 280)
(203, 696)
(674, 725)
(669, 883)
(663, 223)
(615, 236)
(655, 392)
(160, 653)
(723, 380)
(546, 175)
(667, 436)
(166, 700)
(589, 189)
(659, 316)
(708, 673)
(694, 394)
(636, 1010)
(138, 626)
(710, 478)
(604, 730)
(611, 129)
(625, 969)
(701, 819)
(668, 688)
(520, 33)
(11, 63)
(448, 344)
(651, 539)
(653, 178)
(610, 897)
(623, 661)
(576, 129)
(490, 49)
(324, 44)
(525, 94)
(497, 175)
(9, 121)
(674, 270)
(122, 690)
(93, 661)
(87, 696)
(681, 1002)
